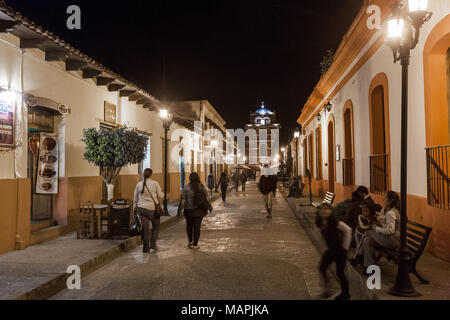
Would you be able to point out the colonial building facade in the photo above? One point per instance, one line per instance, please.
(351, 121)
(259, 147)
(49, 88)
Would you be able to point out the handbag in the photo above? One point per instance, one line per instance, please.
(136, 225)
(159, 211)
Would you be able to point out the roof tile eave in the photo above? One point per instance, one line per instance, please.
(9, 11)
(351, 40)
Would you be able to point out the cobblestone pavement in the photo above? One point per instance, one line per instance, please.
(242, 255)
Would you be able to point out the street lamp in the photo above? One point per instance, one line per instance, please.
(403, 31)
(296, 136)
(166, 119)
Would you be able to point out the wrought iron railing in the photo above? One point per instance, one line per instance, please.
(437, 176)
(348, 171)
(379, 173)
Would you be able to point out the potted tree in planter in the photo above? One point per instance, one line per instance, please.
(111, 150)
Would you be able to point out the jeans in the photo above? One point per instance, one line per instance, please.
(359, 238)
(339, 257)
(374, 240)
(224, 192)
(243, 185)
(268, 200)
(147, 216)
(193, 225)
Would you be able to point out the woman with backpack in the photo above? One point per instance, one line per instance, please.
(146, 197)
(196, 206)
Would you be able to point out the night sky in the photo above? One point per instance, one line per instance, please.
(233, 53)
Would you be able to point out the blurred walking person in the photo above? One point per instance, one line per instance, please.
(223, 182)
(194, 200)
(243, 180)
(267, 185)
(146, 194)
(337, 236)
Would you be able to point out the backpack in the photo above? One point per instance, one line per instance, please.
(201, 201)
(265, 185)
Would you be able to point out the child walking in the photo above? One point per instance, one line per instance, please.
(337, 236)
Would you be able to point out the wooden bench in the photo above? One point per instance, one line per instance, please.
(416, 240)
(329, 199)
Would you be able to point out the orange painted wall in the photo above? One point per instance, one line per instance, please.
(14, 213)
(435, 83)
(15, 226)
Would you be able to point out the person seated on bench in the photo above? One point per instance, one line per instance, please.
(365, 221)
(384, 233)
(360, 195)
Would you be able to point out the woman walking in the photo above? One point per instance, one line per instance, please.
(196, 206)
(146, 194)
(223, 182)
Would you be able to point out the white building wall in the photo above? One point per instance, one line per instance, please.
(83, 97)
(357, 90)
(9, 78)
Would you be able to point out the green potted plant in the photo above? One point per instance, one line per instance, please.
(111, 150)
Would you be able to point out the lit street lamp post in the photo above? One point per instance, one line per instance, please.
(166, 121)
(297, 183)
(403, 36)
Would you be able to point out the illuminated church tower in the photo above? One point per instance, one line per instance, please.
(263, 121)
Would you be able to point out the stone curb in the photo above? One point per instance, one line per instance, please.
(356, 280)
(52, 287)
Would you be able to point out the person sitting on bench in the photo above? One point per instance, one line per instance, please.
(384, 233)
(360, 195)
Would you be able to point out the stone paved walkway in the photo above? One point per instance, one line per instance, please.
(242, 255)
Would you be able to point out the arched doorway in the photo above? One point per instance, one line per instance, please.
(436, 57)
(348, 162)
(331, 156)
(305, 157)
(319, 173)
(379, 135)
(311, 154)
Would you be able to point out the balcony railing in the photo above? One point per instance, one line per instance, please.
(348, 171)
(437, 176)
(379, 173)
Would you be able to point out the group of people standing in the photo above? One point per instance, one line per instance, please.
(194, 200)
(238, 180)
(362, 227)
